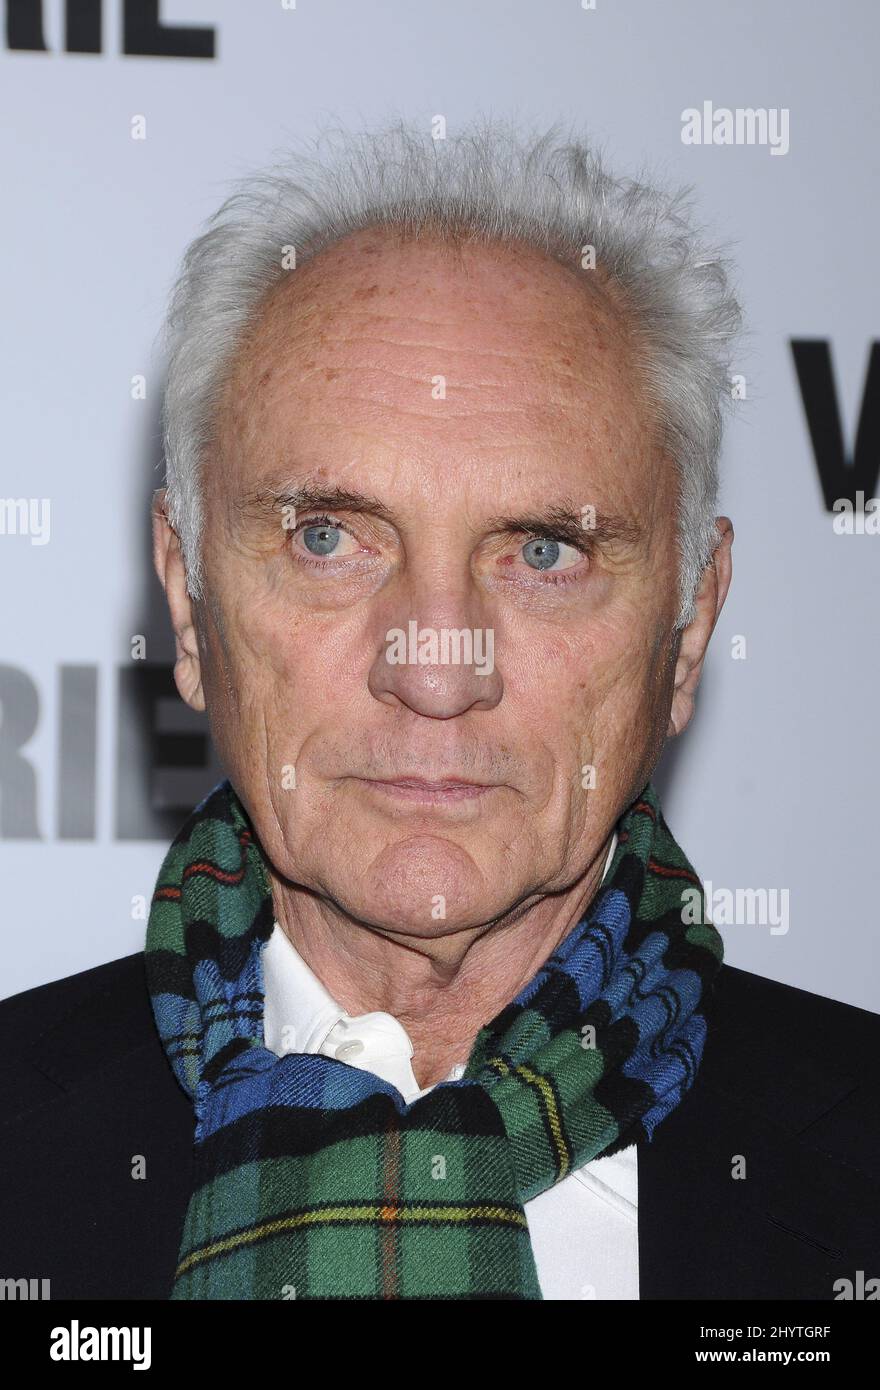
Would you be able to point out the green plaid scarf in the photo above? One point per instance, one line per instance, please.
(314, 1179)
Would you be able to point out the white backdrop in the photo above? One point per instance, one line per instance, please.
(774, 786)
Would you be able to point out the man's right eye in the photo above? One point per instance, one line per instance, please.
(325, 538)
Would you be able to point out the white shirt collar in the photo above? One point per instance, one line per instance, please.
(302, 1016)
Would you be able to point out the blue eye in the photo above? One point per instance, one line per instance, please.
(324, 539)
(541, 553)
(321, 540)
(544, 553)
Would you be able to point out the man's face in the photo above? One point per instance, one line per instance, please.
(466, 400)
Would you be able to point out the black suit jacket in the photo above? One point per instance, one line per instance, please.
(788, 1081)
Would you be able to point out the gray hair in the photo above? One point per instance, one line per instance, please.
(547, 190)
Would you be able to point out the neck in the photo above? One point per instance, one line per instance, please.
(442, 989)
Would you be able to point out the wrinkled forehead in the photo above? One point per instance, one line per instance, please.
(436, 348)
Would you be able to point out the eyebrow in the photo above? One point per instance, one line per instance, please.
(311, 497)
(563, 520)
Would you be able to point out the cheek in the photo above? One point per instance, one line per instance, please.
(240, 671)
(247, 641)
(602, 671)
(282, 682)
(610, 700)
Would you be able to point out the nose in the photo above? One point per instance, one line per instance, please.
(436, 655)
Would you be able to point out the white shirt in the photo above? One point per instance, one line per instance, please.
(584, 1230)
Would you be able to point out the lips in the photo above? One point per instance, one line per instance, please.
(441, 791)
(427, 784)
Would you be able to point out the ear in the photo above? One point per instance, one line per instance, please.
(168, 559)
(694, 640)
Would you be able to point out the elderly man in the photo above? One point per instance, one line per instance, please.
(431, 971)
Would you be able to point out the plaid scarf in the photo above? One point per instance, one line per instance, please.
(314, 1179)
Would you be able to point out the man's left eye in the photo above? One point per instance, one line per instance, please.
(544, 553)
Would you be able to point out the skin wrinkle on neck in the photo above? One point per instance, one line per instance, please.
(441, 1003)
